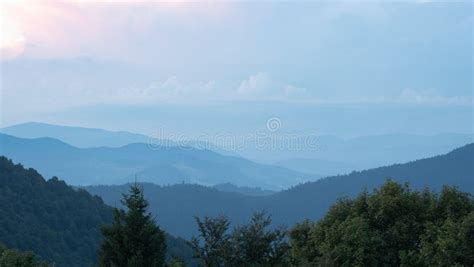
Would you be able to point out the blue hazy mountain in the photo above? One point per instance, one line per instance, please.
(329, 155)
(93, 137)
(319, 167)
(305, 201)
(333, 155)
(244, 190)
(76, 136)
(368, 151)
(160, 165)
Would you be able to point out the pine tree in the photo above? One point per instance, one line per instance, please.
(132, 239)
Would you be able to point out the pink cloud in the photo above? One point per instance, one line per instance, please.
(51, 29)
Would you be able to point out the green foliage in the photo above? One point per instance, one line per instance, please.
(175, 262)
(132, 239)
(255, 245)
(393, 226)
(252, 244)
(214, 248)
(12, 257)
(59, 224)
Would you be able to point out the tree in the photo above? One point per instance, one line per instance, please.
(212, 246)
(251, 244)
(175, 262)
(12, 257)
(60, 224)
(394, 226)
(132, 239)
(254, 244)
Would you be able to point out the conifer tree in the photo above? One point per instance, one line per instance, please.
(133, 239)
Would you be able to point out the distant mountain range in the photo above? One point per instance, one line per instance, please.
(333, 155)
(76, 136)
(328, 155)
(82, 137)
(319, 167)
(162, 165)
(305, 201)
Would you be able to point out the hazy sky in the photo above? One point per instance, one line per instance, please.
(344, 68)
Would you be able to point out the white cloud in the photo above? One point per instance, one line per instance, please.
(411, 96)
(262, 86)
(256, 85)
(66, 93)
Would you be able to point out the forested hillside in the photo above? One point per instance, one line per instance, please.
(59, 224)
(306, 201)
(13, 257)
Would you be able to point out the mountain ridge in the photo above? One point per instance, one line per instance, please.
(163, 165)
(86, 137)
(305, 201)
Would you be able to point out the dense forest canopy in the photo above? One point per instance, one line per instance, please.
(61, 225)
(393, 226)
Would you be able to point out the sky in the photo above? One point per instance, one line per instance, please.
(346, 68)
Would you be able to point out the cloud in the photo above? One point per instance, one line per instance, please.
(410, 96)
(102, 29)
(256, 85)
(169, 90)
(66, 92)
(12, 40)
(261, 86)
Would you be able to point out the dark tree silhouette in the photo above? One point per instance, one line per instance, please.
(132, 239)
(212, 247)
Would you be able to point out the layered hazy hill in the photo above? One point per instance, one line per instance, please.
(331, 155)
(161, 165)
(336, 155)
(76, 136)
(82, 137)
(176, 205)
(58, 223)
